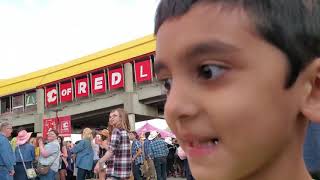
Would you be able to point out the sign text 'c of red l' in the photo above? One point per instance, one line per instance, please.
(143, 71)
(51, 96)
(66, 92)
(115, 78)
(98, 83)
(82, 87)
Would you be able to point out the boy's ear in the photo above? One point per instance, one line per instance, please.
(311, 105)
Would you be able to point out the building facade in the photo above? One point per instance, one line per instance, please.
(87, 89)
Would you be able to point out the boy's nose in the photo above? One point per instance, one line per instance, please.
(180, 104)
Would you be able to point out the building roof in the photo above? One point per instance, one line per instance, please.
(85, 64)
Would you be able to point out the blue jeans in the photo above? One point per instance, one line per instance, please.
(81, 174)
(20, 173)
(50, 176)
(137, 172)
(161, 167)
(4, 174)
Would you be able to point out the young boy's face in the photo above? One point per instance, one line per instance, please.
(227, 103)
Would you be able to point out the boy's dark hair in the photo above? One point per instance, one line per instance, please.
(293, 26)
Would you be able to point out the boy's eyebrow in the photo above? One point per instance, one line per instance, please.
(199, 49)
(209, 47)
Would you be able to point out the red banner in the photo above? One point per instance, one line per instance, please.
(47, 125)
(82, 87)
(51, 96)
(143, 71)
(65, 126)
(66, 92)
(98, 83)
(115, 78)
(62, 124)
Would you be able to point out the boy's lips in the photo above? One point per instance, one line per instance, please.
(198, 146)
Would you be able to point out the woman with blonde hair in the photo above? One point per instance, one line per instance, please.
(84, 153)
(118, 151)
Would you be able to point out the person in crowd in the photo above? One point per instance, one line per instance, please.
(70, 161)
(242, 80)
(84, 154)
(151, 170)
(25, 155)
(178, 163)
(95, 147)
(171, 157)
(103, 145)
(36, 145)
(63, 159)
(136, 155)
(312, 150)
(13, 143)
(13, 140)
(7, 157)
(182, 155)
(159, 151)
(36, 148)
(119, 147)
(49, 154)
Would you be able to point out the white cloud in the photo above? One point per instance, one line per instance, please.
(40, 33)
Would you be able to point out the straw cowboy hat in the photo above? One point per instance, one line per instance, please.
(153, 135)
(23, 137)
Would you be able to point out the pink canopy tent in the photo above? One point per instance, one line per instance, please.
(148, 128)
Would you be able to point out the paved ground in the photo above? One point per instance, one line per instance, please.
(171, 178)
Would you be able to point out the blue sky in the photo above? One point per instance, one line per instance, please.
(36, 34)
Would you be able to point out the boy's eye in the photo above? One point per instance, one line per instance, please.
(210, 71)
(167, 84)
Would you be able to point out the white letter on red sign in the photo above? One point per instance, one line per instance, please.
(141, 72)
(98, 83)
(52, 95)
(66, 92)
(116, 78)
(82, 87)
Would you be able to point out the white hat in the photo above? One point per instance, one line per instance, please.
(153, 134)
(168, 140)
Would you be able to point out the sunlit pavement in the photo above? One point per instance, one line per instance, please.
(172, 178)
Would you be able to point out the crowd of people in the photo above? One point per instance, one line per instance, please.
(111, 153)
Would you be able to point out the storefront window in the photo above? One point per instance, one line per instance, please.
(5, 105)
(17, 103)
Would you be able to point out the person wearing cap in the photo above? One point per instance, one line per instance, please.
(158, 150)
(25, 150)
(7, 158)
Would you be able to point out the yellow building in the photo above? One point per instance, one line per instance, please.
(86, 89)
